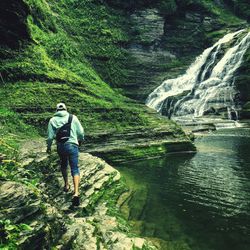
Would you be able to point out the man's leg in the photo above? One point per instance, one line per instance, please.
(76, 180)
(73, 161)
(64, 165)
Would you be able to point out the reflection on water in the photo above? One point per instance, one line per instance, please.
(199, 201)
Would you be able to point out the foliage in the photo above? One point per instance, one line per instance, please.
(10, 233)
(167, 7)
(13, 131)
(12, 170)
(41, 14)
(240, 7)
(131, 4)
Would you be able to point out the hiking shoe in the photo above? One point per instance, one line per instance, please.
(66, 189)
(76, 201)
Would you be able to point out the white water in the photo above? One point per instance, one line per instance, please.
(207, 84)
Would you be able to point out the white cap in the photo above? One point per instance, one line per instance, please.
(61, 106)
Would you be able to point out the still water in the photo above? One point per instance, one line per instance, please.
(195, 201)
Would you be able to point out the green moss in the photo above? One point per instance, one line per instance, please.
(146, 151)
(240, 7)
(216, 35)
(167, 7)
(70, 40)
(223, 14)
(41, 12)
(55, 68)
(247, 106)
(13, 131)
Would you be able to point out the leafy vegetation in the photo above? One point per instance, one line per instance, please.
(167, 7)
(240, 7)
(13, 131)
(9, 233)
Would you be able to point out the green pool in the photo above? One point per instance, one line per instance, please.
(194, 201)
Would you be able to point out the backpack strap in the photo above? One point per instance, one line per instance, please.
(70, 118)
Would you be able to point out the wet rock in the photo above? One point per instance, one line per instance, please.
(79, 235)
(203, 128)
(147, 56)
(108, 228)
(193, 17)
(210, 24)
(13, 22)
(54, 222)
(149, 24)
(211, 110)
(133, 143)
(17, 202)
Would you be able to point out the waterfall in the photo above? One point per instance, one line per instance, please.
(207, 87)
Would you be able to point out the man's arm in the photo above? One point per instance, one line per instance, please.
(79, 130)
(51, 135)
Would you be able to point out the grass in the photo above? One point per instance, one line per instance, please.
(55, 67)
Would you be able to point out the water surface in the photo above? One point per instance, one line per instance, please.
(199, 201)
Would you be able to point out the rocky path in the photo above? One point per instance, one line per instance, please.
(95, 224)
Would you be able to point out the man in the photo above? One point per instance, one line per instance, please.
(67, 147)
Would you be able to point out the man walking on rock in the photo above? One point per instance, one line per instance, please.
(69, 133)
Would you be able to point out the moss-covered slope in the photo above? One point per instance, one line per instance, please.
(51, 65)
(54, 61)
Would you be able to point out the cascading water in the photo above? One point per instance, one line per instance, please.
(208, 84)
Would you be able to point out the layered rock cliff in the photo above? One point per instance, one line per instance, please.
(162, 44)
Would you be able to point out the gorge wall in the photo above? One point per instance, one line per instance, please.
(102, 58)
(162, 44)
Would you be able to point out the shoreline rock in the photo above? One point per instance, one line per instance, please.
(46, 209)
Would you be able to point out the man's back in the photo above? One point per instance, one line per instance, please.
(58, 120)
